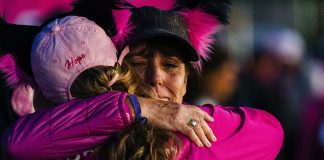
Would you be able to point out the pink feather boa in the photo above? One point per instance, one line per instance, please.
(14, 75)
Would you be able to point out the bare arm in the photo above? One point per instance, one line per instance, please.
(173, 116)
(77, 126)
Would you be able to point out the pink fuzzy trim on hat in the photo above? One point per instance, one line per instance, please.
(160, 4)
(201, 27)
(14, 75)
(122, 24)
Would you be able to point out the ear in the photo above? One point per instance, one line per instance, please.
(163, 5)
(22, 97)
(204, 18)
(201, 28)
(217, 8)
(123, 26)
(123, 13)
(22, 100)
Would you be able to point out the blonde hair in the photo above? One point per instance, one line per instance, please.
(138, 141)
(95, 80)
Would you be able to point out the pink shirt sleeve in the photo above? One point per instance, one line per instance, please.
(80, 125)
(67, 129)
(242, 133)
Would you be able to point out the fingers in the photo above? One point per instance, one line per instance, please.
(199, 132)
(205, 127)
(203, 131)
(206, 116)
(208, 131)
(201, 135)
(193, 136)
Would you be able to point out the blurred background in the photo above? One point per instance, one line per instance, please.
(271, 56)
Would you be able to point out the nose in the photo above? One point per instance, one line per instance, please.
(154, 75)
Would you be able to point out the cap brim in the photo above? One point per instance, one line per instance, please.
(189, 54)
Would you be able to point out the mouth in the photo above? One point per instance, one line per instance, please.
(160, 97)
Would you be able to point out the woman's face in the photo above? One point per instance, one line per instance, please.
(164, 72)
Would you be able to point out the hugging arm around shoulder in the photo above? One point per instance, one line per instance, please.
(74, 127)
(242, 133)
(67, 129)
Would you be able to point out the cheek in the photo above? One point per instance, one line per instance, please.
(177, 84)
(140, 74)
(184, 86)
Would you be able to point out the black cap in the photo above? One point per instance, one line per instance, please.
(150, 23)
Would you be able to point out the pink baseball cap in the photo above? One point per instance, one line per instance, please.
(65, 48)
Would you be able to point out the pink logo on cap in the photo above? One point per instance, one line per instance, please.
(73, 61)
(63, 50)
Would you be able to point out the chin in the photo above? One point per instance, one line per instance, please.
(175, 101)
(164, 99)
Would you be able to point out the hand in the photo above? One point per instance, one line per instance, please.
(175, 117)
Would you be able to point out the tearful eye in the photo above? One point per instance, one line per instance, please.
(170, 65)
(138, 64)
(138, 61)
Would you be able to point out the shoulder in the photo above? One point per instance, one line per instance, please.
(246, 122)
(247, 129)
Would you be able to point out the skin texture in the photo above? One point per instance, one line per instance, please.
(166, 74)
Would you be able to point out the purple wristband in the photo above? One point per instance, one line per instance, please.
(137, 109)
